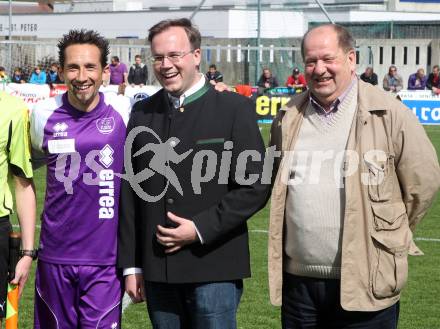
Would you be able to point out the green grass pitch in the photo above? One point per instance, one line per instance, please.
(420, 303)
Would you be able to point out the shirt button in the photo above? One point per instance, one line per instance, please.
(173, 143)
(170, 201)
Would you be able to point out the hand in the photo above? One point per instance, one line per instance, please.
(212, 82)
(221, 86)
(134, 287)
(22, 273)
(121, 89)
(175, 238)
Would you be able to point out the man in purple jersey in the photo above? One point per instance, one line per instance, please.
(80, 136)
(118, 72)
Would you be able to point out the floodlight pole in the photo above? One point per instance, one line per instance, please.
(197, 9)
(257, 68)
(10, 36)
(324, 11)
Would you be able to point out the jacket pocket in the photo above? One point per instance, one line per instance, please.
(388, 216)
(381, 173)
(390, 270)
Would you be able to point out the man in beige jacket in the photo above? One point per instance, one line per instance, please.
(357, 174)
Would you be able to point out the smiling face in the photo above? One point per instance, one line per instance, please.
(176, 77)
(329, 69)
(82, 73)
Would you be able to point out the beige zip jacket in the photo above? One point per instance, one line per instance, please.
(392, 176)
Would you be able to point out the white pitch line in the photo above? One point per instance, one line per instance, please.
(17, 226)
(265, 231)
(126, 301)
(259, 231)
(416, 239)
(427, 239)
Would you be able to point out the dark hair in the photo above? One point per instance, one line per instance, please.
(435, 67)
(212, 66)
(137, 56)
(193, 34)
(2, 68)
(392, 67)
(75, 37)
(115, 58)
(345, 40)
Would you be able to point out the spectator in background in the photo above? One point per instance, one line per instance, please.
(118, 72)
(38, 77)
(369, 76)
(3, 76)
(296, 80)
(267, 80)
(213, 76)
(392, 81)
(18, 76)
(138, 74)
(417, 81)
(52, 75)
(433, 82)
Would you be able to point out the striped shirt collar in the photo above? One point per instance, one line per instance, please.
(334, 105)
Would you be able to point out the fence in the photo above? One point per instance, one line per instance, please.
(238, 62)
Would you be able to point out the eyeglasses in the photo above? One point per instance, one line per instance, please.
(173, 57)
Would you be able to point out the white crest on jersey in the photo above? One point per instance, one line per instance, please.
(105, 125)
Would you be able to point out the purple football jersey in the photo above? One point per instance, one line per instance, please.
(84, 152)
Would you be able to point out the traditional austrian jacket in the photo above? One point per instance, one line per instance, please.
(219, 204)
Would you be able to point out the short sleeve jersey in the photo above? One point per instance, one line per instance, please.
(84, 153)
(14, 147)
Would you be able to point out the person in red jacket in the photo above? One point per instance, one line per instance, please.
(433, 82)
(296, 80)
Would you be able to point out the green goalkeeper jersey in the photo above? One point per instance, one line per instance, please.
(15, 158)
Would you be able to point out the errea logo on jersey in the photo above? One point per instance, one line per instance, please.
(60, 129)
(106, 156)
(106, 184)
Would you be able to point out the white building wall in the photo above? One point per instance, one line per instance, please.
(427, 6)
(274, 24)
(219, 24)
(405, 70)
(371, 16)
